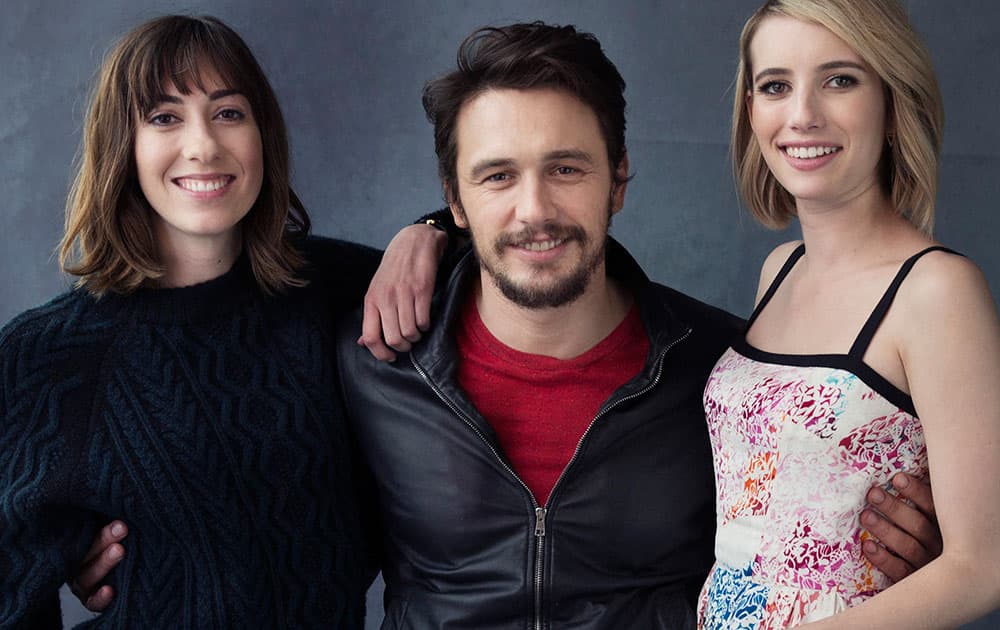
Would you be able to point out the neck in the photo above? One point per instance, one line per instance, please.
(562, 332)
(193, 261)
(852, 232)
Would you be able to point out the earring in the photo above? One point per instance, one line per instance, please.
(890, 138)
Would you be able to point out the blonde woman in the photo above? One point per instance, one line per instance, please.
(871, 350)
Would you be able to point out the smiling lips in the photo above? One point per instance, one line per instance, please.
(809, 152)
(808, 158)
(204, 184)
(541, 246)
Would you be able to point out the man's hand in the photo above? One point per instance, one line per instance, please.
(103, 555)
(905, 525)
(398, 302)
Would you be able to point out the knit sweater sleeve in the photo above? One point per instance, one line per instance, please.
(38, 543)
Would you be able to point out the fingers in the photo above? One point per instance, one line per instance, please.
(895, 568)
(371, 333)
(916, 491)
(910, 520)
(405, 331)
(100, 599)
(906, 532)
(422, 309)
(391, 322)
(113, 532)
(104, 554)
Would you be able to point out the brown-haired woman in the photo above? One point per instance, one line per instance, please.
(871, 350)
(186, 385)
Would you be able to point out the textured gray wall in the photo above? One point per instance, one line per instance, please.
(349, 75)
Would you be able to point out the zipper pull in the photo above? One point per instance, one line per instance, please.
(539, 521)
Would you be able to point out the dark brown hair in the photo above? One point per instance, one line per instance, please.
(109, 240)
(520, 57)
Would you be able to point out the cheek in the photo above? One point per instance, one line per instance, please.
(254, 158)
(149, 158)
(761, 123)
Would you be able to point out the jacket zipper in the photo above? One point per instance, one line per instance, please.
(540, 511)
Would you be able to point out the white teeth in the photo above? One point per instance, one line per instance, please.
(542, 246)
(201, 185)
(810, 152)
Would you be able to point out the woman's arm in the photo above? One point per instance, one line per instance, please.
(949, 344)
(38, 534)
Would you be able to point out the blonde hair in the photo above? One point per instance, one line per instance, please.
(109, 240)
(880, 32)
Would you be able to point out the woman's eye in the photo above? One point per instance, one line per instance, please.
(772, 88)
(843, 81)
(162, 119)
(231, 114)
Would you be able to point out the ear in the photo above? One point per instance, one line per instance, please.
(618, 189)
(455, 205)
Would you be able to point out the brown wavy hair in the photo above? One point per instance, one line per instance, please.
(522, 57)
(880, 33)
(109, 240)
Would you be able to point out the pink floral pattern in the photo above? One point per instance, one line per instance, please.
(795, 450)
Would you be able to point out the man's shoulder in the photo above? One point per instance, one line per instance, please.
(696, 313)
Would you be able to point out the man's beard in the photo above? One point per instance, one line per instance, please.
(555, 294)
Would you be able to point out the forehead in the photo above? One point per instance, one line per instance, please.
(782, 41)
(520, 124)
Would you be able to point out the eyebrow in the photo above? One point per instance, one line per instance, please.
(569, 154)
(482, 166)
(562, 154)
(829, 65)
(214, 96)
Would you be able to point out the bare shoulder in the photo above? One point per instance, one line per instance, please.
(772, 265)
(941, 277)
(947, 288)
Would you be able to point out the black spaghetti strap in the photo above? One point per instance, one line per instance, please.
(785, 269)
(871, 326)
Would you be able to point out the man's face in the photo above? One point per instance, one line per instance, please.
(536, 191)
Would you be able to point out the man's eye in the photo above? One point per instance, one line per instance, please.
(498, 177)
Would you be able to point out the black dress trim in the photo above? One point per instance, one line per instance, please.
(851, 362)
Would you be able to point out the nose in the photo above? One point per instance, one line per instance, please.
(806, 111)
(534, 204)
(200, 141)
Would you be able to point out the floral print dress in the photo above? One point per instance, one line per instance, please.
(797, 441)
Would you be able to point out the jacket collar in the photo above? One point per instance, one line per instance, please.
(436, 354)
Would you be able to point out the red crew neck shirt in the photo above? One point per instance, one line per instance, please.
(539, 406)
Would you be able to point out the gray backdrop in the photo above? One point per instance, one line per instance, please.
(349, 75)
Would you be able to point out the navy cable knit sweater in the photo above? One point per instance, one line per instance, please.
(205, 417)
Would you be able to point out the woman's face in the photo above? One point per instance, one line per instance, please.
(817, 111)
(200, 166)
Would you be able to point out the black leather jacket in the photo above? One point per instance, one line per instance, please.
(626, 538)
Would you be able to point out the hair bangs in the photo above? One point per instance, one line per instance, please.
(186, 57)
